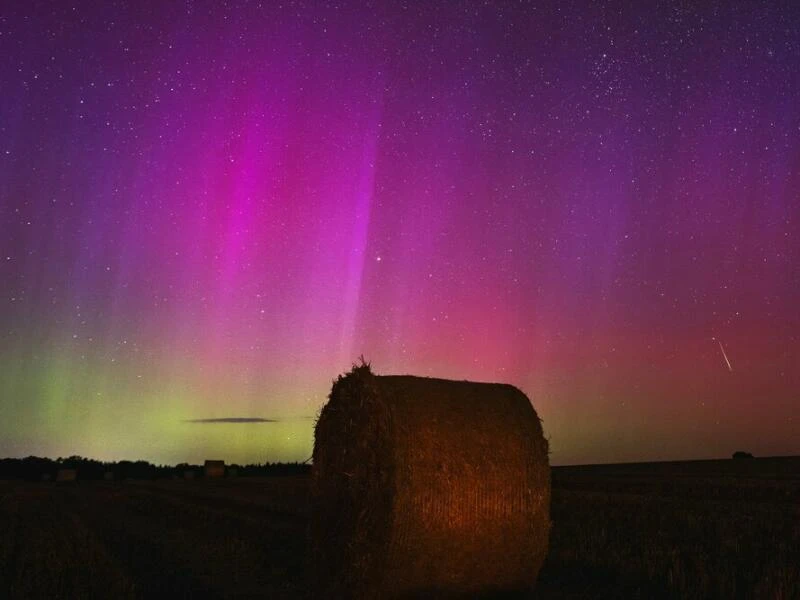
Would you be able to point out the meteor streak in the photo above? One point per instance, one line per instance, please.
(725, 356)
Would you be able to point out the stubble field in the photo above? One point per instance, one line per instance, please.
(703, 529)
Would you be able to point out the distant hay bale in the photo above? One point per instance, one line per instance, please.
(427, 487)
(66, 476)
(108, 476)
(214, 468)
(188, 474)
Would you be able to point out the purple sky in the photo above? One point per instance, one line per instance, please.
(207, 212)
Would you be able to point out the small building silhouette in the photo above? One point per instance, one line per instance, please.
(67, 476)
(214, 468)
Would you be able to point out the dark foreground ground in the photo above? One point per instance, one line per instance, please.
(708, 529)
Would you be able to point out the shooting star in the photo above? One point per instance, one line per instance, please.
(725, 356)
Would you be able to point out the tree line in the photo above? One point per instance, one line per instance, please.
(35, 468)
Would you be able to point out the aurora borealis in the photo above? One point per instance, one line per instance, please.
(209, 210)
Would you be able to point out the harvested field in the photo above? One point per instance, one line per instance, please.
(142, 540)
(706, 529)
(698, 529)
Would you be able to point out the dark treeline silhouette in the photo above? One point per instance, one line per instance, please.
(34, 468)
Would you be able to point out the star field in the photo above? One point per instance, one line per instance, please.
(209, 210)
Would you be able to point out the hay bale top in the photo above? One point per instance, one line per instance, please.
(425, 485)
(462, 426)
(468, 414)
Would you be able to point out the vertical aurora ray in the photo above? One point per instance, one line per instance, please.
(360, 216)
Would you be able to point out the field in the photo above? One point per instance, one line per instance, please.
(703, 529)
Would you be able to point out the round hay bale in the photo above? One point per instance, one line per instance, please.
(427, 487)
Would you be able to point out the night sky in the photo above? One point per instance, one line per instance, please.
(209, 210)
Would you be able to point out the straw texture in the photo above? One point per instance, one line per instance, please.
(427, 487)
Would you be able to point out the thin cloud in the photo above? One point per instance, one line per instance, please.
(232, 420)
